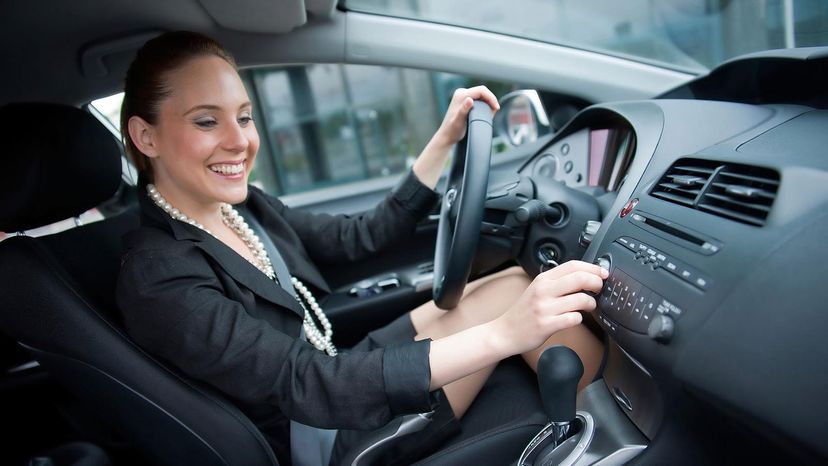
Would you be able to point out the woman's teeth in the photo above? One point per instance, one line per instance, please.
(226, 169)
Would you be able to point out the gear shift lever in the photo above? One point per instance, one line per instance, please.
(559, 370)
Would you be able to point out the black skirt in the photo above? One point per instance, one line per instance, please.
(443, 426)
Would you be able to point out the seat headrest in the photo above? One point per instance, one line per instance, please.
(57, 162)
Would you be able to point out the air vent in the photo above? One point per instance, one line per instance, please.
(684, 181)
(742, 193)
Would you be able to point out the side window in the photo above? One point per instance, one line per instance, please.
(324, 125)
(329, 124)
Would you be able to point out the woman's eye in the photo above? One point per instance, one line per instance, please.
(245, 120)
(205, 123)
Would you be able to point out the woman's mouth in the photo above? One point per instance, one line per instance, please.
(232, 170)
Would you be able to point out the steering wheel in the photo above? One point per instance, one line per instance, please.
(461, 213)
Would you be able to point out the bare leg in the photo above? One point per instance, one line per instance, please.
(486, 299)
(582, 341)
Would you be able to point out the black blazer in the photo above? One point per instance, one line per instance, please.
(192, 301)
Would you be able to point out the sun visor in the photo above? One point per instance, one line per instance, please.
(266, 16)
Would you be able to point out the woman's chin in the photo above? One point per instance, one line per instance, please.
(235, 194)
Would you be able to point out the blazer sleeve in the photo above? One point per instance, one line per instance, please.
(336, 238)
(174, 307)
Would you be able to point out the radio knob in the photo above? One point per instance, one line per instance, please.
(661, 328)
(603, 262)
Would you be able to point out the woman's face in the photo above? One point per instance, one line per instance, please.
(205, 139)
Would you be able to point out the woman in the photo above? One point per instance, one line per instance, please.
(198, 288)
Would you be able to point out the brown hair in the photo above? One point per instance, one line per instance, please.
(145, 85)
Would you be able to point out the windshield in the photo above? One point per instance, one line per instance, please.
(693, 35)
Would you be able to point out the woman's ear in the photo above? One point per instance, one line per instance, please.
(142, 135)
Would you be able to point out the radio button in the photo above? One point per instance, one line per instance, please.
(666, 307)
(639, 307)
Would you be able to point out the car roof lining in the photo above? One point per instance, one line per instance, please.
(89, 45)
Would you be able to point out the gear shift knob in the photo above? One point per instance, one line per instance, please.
(559, 370)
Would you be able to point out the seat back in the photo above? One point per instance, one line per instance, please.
(57, 295)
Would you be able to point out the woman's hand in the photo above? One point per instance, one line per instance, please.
(431, 161)
(453, 127)
(550, 304)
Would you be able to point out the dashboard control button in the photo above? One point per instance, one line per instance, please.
(610, 324)
(628, 313)
(701, 282)
(568, 166)
(648, 311)
(628, 207)
(661, 328)
(623, 294)
(588, 233)
(709, 247)
(639, 306)
(615, 291)
(666, 307)
(565, 149)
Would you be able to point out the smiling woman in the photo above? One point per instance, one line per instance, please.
(221, 280)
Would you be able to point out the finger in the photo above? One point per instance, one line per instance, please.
(574, 266)
(565, 321)
(459, 95)
(483, 93)
(575, 282)
(462, 112)
(570, 303)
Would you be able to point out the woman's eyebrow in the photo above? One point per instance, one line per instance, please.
(214, 107)
(202, 107)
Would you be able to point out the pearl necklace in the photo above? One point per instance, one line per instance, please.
(233, 219)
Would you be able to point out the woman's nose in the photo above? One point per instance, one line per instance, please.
(235, 138)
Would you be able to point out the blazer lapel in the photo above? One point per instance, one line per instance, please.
(235, 265)
(247, 274)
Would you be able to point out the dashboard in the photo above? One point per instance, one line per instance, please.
(595, 157)
(714, 225)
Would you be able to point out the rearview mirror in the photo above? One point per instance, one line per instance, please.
(521, 118)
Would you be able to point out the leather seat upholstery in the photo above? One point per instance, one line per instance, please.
(57, 295)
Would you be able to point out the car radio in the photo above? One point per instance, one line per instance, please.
(626, 302)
